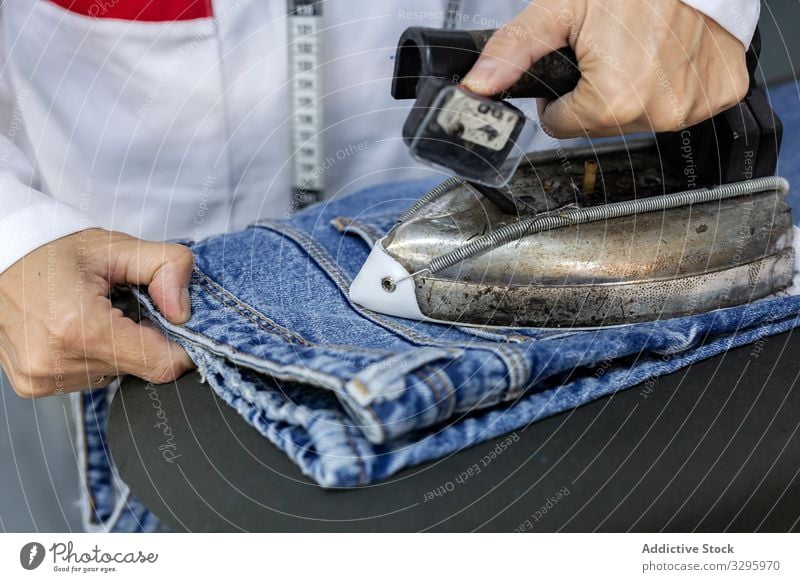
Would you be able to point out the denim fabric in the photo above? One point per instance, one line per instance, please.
(107, 502)
(353, 396)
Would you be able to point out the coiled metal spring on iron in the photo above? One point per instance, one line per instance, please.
(430, 196)
(577, 216)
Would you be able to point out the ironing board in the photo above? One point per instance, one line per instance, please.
(714, 447)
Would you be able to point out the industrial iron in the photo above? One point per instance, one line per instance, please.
(610, 233)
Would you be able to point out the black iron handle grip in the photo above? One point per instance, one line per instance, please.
(552, 76)
(450, 54)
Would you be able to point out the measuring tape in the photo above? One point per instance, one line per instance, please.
(305, 90)
(304, 19)
(451, 14)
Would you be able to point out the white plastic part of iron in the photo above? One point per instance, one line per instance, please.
(367, 288)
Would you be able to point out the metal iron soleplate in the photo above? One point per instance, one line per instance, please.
(624, 270)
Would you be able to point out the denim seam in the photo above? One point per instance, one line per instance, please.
(255, 312)
(94, 519)
(368, 408)
(450, 389)
(442, 394)
(366, 232)
(445, 388)
(252, 400)
(507, 354)
(509, 359)
(316, 252)
(520, 387)
(281, 371)
(351, 442)
(512, 376)
(448, 395)
(340, 223)
(91, 513)
(425, 376)
(338, 276)
(525, 372)
(240, 306)
(92, 522)
(492, 335)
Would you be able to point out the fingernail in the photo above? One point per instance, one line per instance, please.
(479, 79)
(186, 304)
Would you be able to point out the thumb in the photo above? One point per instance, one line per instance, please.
(165, 269)
(540, 29)
(570, 115)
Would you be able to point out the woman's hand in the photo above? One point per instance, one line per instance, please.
(58, 329)
(649, 65)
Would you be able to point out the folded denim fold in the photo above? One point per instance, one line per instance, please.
(353, 396)
(107, 502)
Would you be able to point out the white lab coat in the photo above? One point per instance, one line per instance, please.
(181, 129)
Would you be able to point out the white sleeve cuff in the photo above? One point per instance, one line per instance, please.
(34, 226)
(739, 17)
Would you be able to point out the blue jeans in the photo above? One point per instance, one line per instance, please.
(107, 503)
(353, 396)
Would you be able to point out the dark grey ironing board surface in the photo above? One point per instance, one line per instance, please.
(713, 447)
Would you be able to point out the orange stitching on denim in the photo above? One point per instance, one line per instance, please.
(360, 386)
(341, 223)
